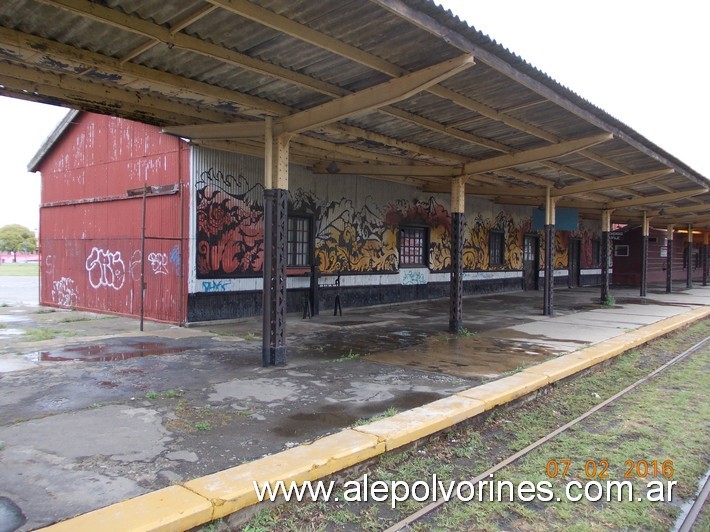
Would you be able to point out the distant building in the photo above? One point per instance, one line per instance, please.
(626, 253)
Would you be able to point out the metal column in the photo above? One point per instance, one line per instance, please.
(689, 262)
(548, 307)
(669, 259)
(606, 228)
(705, 259)
(458, 194)
(644, 255)
(275, 242)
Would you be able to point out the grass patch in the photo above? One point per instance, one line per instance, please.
(19, 269)
(463, 331)
(167, 394)
(190, 418)
(45, 333)
(74, 319)
(391, 411)
(609, 301)
(343, 358)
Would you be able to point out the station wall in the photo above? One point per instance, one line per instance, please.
(356, 223)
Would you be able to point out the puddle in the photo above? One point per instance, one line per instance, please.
(11, 517)
(106, 353)
(11, 332)
(339, 416)
(477, 356)
(6, 318)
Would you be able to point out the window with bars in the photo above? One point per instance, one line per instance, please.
(299, 241)
(413, 246)
(496, 248)
(530, 249)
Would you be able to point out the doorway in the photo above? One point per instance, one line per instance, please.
(531, 262)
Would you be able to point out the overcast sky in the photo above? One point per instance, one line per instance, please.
(644, 62)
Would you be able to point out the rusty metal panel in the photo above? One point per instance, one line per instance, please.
(91, 251)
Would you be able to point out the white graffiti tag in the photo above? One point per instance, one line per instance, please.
(64, 292)
(106, 268)
(159, 263)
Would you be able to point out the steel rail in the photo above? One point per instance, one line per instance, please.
(416, 516)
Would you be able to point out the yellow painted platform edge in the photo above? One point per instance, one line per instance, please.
(411, 425)
(168, 509)
(507, 389)
(607, 349)
(104, 518)
(232, 489)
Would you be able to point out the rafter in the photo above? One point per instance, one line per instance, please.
(304, 33)
(687, 209)
(534, 155)
(335, 110)
(264, 16)
(183, 41)
(610, 183)
(129, 75)
(375, 170)
(653, 200)
(178, 26)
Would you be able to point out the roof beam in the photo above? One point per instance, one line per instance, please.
(304, 33)
(476, 167)
(363, 101)
(686, 210)
(478, 190)
(180, 40)
(534, 155)
(659, 198)
(178, 26)
(370, 99)
(607, 184)
(390, 170)
(129, 75)
(559, 98)
(159, 34)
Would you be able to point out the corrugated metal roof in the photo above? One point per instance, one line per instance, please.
(156, 61)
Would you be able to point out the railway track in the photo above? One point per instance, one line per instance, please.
(688, 519)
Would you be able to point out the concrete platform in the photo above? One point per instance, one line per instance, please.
(178, 422)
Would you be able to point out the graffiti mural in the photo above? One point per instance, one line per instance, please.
(348, 239)
(64, 292)
(349, 235)
(412, 277)
(159, 263)
(105, 268)
(428, 213)
(175, 257)
(230, 240)
(476, 253)
(134, 265)
(215, 286)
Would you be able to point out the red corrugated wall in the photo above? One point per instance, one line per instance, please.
(90, 234)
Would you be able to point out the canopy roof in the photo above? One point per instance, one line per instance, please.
(396, 89)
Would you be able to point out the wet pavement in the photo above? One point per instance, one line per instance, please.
(93, 411)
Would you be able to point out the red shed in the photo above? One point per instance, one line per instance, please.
(95, 169)
(627, 254)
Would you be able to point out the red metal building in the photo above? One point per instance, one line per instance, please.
(627, 252)
(92, 218)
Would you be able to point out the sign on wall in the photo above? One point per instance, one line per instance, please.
(566, 219)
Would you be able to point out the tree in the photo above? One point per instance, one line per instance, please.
(15, 238)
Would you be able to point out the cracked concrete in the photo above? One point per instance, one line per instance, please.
(110, 413)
